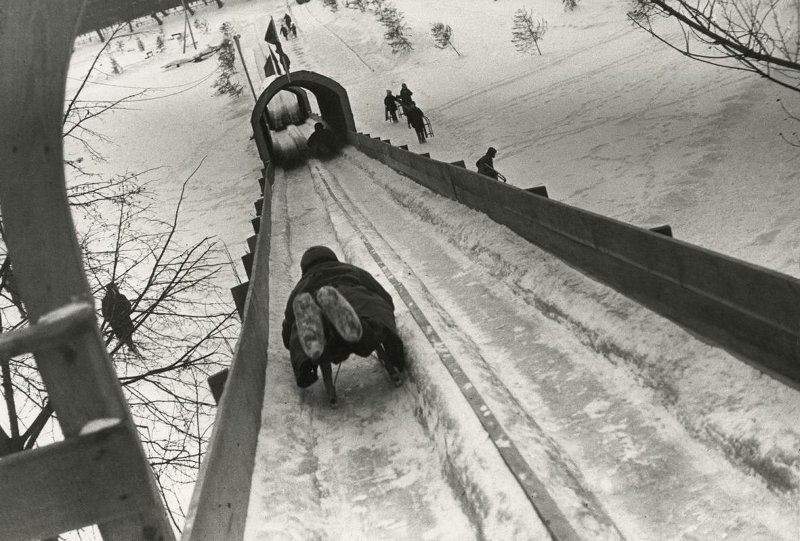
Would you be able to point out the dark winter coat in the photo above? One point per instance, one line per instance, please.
(485, 166)
(322, 143)
(390, 103)
(415, 117)
(405, 96)
(116, 309)
(320, 267)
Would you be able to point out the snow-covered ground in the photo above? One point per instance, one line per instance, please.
(610, 121)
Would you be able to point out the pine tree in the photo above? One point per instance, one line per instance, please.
(160, 43)
(443, 36)
(116, 69)
(527, 32)
(396, 28)
(227, 65)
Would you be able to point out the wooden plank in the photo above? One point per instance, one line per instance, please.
(221, 495)
(71, 484)
(36, 38)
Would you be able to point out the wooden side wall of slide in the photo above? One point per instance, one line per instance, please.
(222, 492)
(751, 311)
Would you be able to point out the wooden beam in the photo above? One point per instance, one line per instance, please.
(78, 482)
(36, 40)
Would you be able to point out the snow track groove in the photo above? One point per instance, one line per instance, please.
(548, 510)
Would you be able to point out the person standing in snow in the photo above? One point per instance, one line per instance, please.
(293, 29)
(485, 165)
(404, 98)
(116, 309)
(335, 310)
(417, 120)
(284, 32)
(390, 103)
(287, 20)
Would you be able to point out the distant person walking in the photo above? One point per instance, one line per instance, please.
(390, 102)
(293, 29)
(284, 32)
(287, 20)
(417, 120)
(485, 165)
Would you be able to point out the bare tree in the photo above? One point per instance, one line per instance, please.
(760, 36)
(527, 31)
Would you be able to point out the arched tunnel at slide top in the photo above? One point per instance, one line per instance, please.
(334, 107)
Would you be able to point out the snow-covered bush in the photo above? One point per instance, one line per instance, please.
(333, 5)
(160, 43)
(360, 5)
(527, 31)
(443, 36)
(139, 43)
(570, 5)
(201, 25)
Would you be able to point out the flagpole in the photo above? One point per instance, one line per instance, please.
(244, 65)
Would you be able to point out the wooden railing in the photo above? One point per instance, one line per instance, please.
(99, 474)
(749, 310)
(222, 491)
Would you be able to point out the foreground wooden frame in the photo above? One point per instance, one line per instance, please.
(101, 477)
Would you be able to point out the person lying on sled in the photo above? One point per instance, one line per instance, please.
(337, 309)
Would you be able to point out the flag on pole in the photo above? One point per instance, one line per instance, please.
(272, 38)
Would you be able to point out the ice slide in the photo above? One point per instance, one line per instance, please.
(507, 427)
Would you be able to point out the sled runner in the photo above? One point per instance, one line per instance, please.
(391, 369)
(427, 126)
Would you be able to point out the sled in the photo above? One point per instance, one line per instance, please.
(391, 369)
(426, 124)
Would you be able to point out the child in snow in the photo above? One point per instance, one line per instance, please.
(485, 165)
(322, 143)
(337, 309)
(391, 106)
(417, 120)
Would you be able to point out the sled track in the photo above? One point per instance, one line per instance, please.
(556, 522)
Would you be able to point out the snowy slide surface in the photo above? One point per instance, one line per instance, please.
(385, 465)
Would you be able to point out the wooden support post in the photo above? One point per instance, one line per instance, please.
(216, 382)
(251, 243)
(36, 41)
(247, 261)
(239, 296)
(459, 163)
(404, 147)
(259, 206)
(425, 154)
(256, 223)
(662, 230)
(538, 190)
